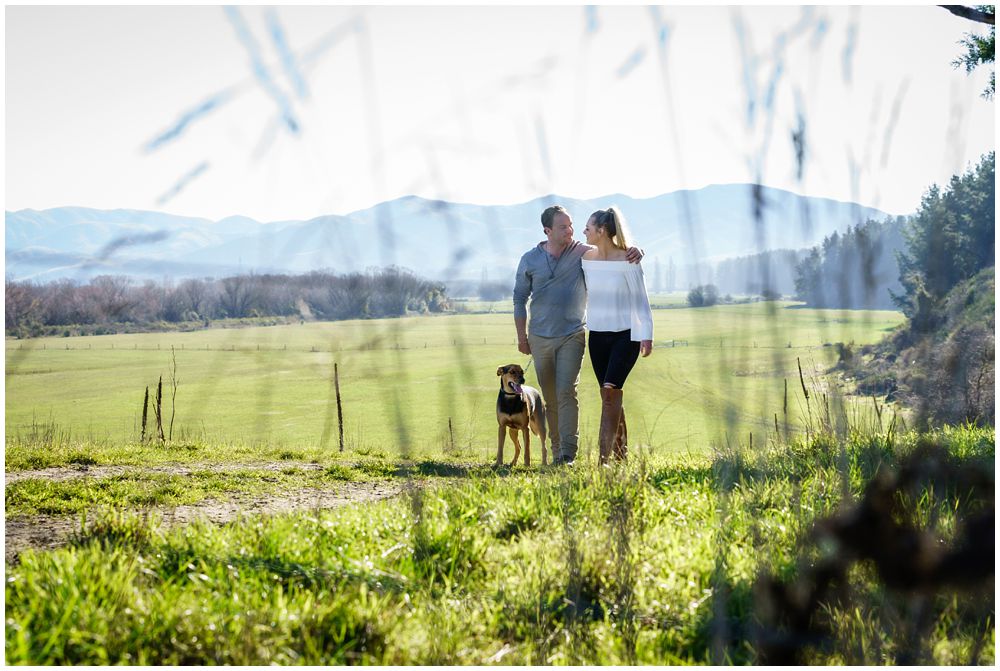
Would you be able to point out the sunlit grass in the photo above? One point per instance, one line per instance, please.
(143, 489)
(404, 382)
(577, 566)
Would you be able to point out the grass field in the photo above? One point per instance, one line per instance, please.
(658, 561)
(666, 299)
(642, 564)
(714, 371)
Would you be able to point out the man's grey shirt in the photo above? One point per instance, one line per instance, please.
(557, 290)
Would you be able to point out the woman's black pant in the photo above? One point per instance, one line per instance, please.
(612, 353)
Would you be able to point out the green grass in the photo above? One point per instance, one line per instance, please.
(263, 392)
(141, 489)
(632, 565)
(657, 300)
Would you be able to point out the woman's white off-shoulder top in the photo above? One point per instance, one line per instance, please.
(616, 298)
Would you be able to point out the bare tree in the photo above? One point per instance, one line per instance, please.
(238, 295)
(197, 294)
(22, 304)
(64, 302)
(149, 301)
(113, 296)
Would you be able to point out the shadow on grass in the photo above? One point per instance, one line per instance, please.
(304, 575)
(799, 462)
(434, 469)
(441, 469)
(725, 634)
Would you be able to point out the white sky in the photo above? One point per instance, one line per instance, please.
(463, 100)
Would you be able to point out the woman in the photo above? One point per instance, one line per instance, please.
(619, 319)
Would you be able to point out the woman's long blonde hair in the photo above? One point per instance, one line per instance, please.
(612, 221)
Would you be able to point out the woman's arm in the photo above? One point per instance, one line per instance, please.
(642, 315)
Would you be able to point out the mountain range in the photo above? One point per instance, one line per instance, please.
(433, 238)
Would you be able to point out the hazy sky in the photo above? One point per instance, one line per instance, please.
(483, 105)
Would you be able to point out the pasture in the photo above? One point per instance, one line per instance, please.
(249, 539)
(715, 373)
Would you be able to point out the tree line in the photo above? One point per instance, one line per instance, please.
(941, 361)
(907, 262)
(857, 269)
(32, 309)
(770, 274)
(950, 239)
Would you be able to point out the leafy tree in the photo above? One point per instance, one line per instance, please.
(978, 48)
(703, 295)
(951, 238)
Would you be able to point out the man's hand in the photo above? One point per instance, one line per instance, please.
(634, 255)
(646, 347)
(521, 329)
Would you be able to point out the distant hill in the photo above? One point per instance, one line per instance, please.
(435, 239)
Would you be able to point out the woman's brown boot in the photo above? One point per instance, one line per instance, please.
(611, 414)
(621, 439)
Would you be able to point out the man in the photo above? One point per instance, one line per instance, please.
(552, 276)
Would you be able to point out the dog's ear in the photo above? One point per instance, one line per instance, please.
(501, 370)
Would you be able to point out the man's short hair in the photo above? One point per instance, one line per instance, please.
(549, 214)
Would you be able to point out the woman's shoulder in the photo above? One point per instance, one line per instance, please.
(593, 254)
(589, 253)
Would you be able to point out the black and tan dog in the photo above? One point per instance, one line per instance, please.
(519, 408)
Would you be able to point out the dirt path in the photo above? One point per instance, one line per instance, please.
(51, 531)
(61, 473)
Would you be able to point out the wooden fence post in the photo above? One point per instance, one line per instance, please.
(340, 412)
(145, 407)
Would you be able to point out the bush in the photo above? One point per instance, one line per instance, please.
(845, 356)
(952, 382)
(704, 295)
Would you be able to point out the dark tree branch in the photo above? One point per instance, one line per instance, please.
(971, 14)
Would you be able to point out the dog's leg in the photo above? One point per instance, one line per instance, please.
(517, 445)
(540, 425)
(527, 446)
(501, 436)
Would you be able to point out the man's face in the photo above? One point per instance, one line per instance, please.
(561, 233)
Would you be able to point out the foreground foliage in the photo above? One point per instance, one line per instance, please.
(655, 562)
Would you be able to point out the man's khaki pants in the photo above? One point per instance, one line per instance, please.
(557, 367)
